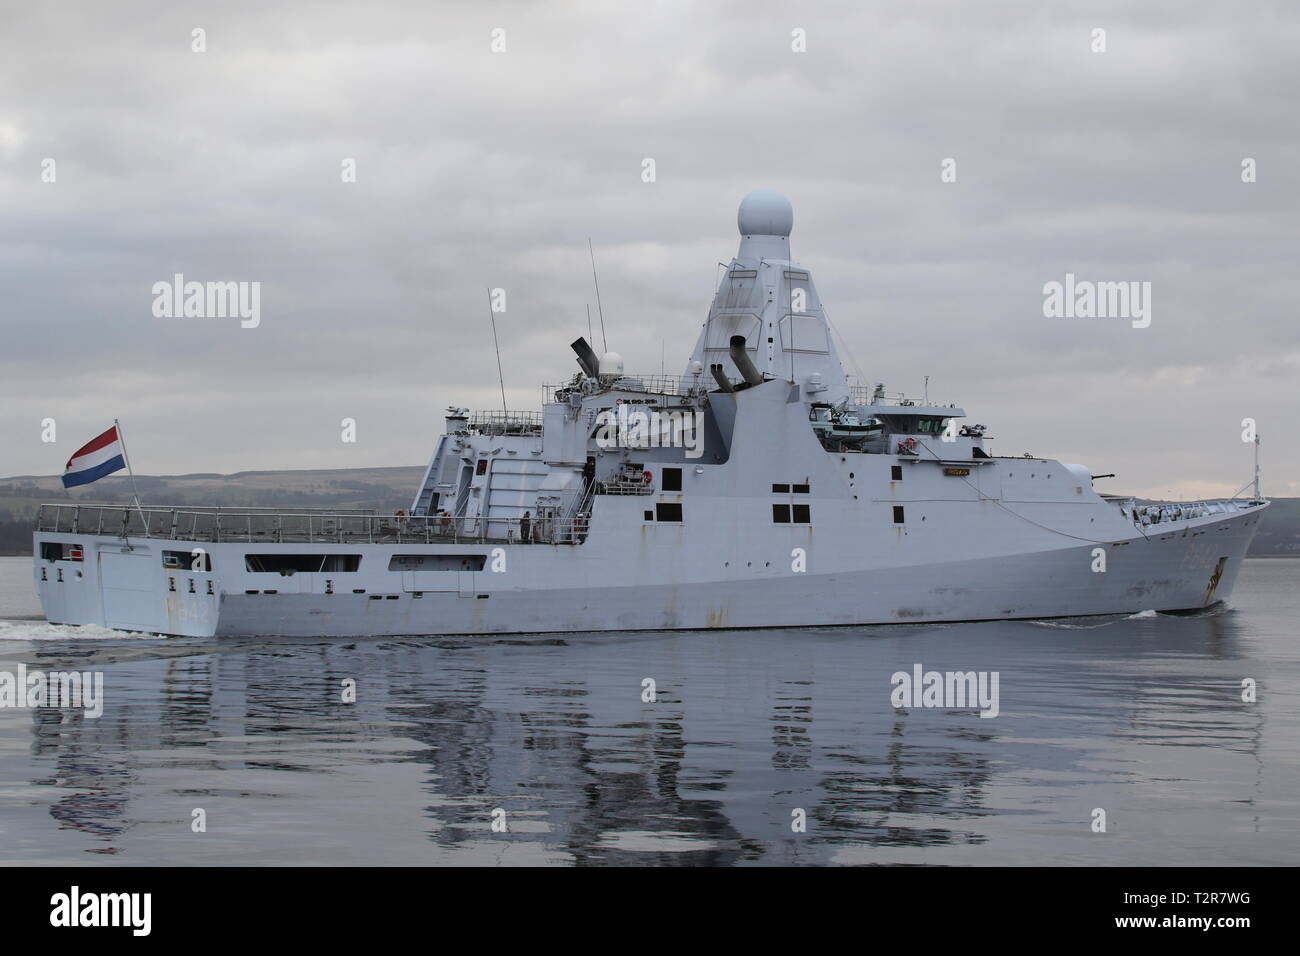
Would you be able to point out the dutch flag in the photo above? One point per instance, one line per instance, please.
(98, 457)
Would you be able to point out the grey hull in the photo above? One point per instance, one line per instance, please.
(1186, 569)
(1024, 586)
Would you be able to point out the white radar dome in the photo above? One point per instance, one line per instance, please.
(611, 363)
(765, 212)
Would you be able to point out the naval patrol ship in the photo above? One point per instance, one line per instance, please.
(760, 488)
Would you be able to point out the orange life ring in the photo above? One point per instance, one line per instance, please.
(648, 477)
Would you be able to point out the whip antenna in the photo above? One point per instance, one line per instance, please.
(596, 282)
(497, 345)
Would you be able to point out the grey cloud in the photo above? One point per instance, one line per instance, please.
(478, 171)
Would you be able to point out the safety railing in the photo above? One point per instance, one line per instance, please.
(505, 423)
(626, 486)
(675, 385)
(866, 395)
(1147, 513)
(306, 526)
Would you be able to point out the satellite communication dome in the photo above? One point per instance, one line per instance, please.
(611, 363)
(765, 212)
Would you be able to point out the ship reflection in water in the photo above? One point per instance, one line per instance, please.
(748, 733)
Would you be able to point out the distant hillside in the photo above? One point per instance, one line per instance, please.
(385, 489)
(1279, 532)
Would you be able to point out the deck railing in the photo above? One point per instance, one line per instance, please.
(624, 486)
(675, 385)
(1147, 513)
(865, 395)
(258, 525)
(506, 423)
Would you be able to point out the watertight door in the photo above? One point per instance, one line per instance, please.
(131, 590)
(466, 584)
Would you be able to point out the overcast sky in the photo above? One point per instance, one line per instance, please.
(477, 169)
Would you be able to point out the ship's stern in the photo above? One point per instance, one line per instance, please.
(127, 584)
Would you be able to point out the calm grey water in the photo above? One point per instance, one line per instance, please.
(1141, 717)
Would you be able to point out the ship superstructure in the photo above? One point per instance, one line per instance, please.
(760, 488)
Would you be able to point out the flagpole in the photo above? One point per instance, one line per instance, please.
(135, 495)
(1257, 495)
